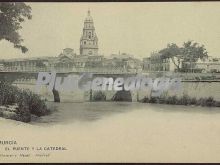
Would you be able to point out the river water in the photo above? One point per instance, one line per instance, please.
(122, 132)
(136, 132)
(68, 112)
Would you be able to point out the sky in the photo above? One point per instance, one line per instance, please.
(134, 28)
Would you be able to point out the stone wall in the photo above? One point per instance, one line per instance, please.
(193, 89)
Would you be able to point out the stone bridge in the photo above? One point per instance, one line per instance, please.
(30, 78)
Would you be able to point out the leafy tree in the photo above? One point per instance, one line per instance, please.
(190, 52)
(12, 14)
(172, 51)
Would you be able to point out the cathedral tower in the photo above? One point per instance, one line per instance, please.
(89, 40)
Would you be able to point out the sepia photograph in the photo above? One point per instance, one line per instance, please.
(109, 82)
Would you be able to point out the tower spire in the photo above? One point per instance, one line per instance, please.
(88, 12)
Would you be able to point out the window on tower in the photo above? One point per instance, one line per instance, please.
(84, 42)
(89, 35)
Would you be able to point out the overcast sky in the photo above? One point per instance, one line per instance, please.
(135, 28)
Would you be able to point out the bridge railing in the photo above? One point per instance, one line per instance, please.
(77, 70)
(113, 71)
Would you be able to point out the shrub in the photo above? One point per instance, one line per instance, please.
(201, 102)
(210, 101)
(184, 100)
(99, 96)
(193, 101)
(24, 113)
(171, 100)
(7, 93)
(217, 104)
(28, 102)
(34, 103)
(153, 100)
(122, 96)
(207, 101)
(145, 100)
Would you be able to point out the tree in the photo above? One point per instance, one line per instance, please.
(190, 52)
(172, 51)
(12, 14)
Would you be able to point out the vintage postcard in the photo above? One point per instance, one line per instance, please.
(109, 82)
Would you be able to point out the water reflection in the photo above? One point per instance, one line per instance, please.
(64, 113)
(87, 111)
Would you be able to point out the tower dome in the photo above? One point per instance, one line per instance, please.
(89, 17)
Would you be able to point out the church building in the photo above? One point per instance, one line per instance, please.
(89, 40)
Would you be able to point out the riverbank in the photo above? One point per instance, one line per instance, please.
(20, 104)
(163, 99)
(182, 100)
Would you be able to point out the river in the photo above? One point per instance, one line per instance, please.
(68, 112)
(138, 132)
(122, 132)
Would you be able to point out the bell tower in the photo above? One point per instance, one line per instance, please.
(88, 40)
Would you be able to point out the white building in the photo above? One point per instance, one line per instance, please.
(208, 65)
